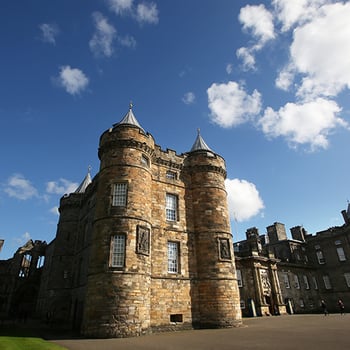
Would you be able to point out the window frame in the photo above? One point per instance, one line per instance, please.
(173, 255)
(119, 199)
(327, 282)
(341, 253)
(286, 281)
(320, 257)
(239, 278)
(120, 254)
(171, 207)
(347, 278)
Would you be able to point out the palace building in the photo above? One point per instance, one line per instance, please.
(146, 244)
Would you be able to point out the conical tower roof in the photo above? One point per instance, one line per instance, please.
(129, 119)
(85, 183)
(199, 144)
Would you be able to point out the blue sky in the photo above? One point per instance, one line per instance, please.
(267, 83)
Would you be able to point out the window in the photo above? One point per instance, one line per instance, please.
(347, 278)
(239, 278)
(301, 303)
(119, 194)
(327, 282)
(306, 282)
(314, 281)
(40, 261)
(296, 282)
(171, 207)
(341, 254)
(173, 257)
(320, 258)
(145, 161)
(337, 242)
(242, 304)
(171, 175)
(286, 280)
(25, 265)
(118, 251)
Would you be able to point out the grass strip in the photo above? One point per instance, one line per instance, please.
(27, 343)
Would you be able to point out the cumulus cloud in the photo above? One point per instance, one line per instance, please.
(244, 200)
(258, 21)
(147, 13)
(291, 13)
(19, 187)
(120, 7)
(101, 43)
(49, 32)
(230, 105)
(303, 123)
(62, 186)
(143, 13)
(188, 98)
(73, 80)
(320, 52)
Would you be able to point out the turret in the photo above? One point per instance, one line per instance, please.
(118, 292)
(217, 286)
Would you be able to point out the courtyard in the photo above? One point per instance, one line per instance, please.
(276, 332)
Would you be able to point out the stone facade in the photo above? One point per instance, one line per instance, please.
(302, 271)
(111, 270)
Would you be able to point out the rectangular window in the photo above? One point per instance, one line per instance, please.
(296, 282)
(320, 258)
(327, 282)
(119, 194)
(347, 278)
(145, 161)
(301, 303)
(171, 207)
(306, 282)
(341, 254)
(118, 251)
(314, 281)
(173, 257)
(239, 278)
(171, 175)
(286, 280)
(242, 303)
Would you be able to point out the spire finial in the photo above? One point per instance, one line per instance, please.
(198, 131)
(130, 105)
(89, 169)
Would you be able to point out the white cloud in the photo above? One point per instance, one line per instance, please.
(244, 200)
(230, 105)
(73, 80)
(147, 13)
(143, 13)
(229, 68)
(188, 98)
(303, 123)
(127, 41)
(120, 7)
(19, 187)
(62, 186)
(22, 239)
(259, 21)
(49, 32)
(320, 52)
(101, 43)
(296, 12)
(246, 54)
(54, 210)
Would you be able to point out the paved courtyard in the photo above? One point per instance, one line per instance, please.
(278, 332)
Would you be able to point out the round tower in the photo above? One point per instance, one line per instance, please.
(219, 301)
(118, 291)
